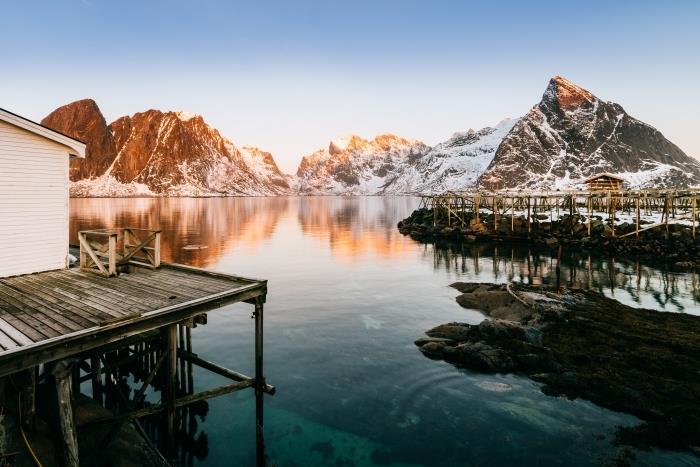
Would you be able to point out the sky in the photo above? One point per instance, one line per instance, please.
(288, 76)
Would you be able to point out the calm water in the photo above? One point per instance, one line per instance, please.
(348, 295)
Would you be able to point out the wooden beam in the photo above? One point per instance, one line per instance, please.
(168, 392)
(62, 374)
(220, 370)
(180, 402)
(259, 384)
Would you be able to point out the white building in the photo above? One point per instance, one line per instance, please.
(33, 195)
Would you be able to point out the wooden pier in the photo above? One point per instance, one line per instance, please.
(84, 324)
(503, 207)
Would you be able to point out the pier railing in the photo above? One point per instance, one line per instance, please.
(668, 205)
(104, 250)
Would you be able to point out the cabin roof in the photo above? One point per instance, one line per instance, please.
(76, 147)
(604, 174)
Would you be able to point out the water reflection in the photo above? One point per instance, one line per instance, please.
(629, 281)
(348, 297)
(200, 231)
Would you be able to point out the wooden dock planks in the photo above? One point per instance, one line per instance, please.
(55, 307)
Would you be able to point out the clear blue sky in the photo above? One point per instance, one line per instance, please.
(288, 76)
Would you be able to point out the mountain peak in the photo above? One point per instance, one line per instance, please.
(186, 116)
(343, 143)
(567, 94)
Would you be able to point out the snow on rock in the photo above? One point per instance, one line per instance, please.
(571, 134)
(156, 153)
(389, 164)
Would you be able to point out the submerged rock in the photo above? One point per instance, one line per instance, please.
(582, 344)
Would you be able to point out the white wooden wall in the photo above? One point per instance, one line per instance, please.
(33, 202)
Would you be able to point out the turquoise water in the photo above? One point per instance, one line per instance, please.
(348, 295)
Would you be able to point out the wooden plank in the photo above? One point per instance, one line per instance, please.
(62, 302)
(5, 342)
(35, 299)
(47, 324)
(24, 323)
(13, 333)
(161, 292)
(114, 290)
(165, 288)
(102, 302)
(66, 345)
(208, 284)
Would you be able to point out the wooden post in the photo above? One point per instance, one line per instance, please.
(512, 214)
(495, 214)
(613, 209)
(666, 203)
(637, 208)
(694, 214)
(28, 398)
(528, 214)
(169, 388)
(434, 211)
(112, 254)
(476, 208)
(259, 382)
(83, 254)
(63, 375)
(590, 213)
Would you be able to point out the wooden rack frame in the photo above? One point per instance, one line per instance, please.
(677, 204)
(121, 247)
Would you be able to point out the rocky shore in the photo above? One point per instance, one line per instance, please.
(679, 249)
(580, 344)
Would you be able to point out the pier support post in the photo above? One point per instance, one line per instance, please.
(666, 207)
(495, 215)
(694, 215)
(62, 372)
(96, 377)
(528, 215)
(169, 388)
(637, 208)
(28, 398)
(590, 213)
(259, 382)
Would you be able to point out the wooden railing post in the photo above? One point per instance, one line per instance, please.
(156, 251)
(112, 254)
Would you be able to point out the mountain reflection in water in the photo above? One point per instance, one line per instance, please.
(348, 296)
(199, 231)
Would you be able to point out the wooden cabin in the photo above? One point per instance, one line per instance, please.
(604, 182)
(33, 195)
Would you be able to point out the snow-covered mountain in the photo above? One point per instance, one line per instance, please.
(352, 165)
(455, 164)
(161, 153)
(389, 164)
(571, 134)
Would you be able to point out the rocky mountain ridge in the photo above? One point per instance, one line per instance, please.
(161, 153)
(569, 135)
